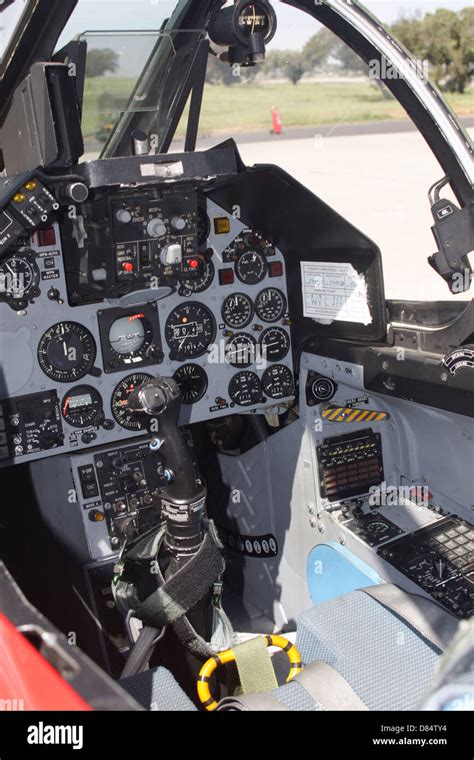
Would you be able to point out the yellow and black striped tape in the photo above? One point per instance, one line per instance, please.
(349, 414)
(222, 658)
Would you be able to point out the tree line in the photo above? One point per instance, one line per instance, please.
(444, 39)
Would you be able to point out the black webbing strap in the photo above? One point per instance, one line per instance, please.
(176, 596)
(141, 652)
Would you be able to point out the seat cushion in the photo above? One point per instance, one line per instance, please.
(157, 690)
(386, 661)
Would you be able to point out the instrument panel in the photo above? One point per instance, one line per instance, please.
(79, 331)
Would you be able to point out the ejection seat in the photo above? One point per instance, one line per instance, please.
(376, 648)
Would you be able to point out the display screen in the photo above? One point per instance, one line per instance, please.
(77, 402)
(127, 335)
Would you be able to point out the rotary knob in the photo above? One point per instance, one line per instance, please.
(178, 223)
(156, 228)
(123, 216)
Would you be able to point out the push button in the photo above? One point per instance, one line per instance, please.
(89, 487)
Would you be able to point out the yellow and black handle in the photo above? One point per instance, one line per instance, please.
(223, 658)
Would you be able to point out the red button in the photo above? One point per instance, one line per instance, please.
(276, 269)
(47, 237)
(226, 276)
(193, 263)
(127, 266)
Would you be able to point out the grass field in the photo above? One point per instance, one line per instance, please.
(240, 107)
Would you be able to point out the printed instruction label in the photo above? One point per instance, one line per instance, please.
(334, 292)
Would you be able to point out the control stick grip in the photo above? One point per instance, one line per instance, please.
(160, 400)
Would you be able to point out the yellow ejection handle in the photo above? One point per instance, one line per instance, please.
(222, 658)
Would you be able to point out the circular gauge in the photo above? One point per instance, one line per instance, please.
(251, 267)
(270, 305)
(254, 17)
(202, 282)
(82, 406)
(237, 310)
(192, 382)
(189, 330)
(274, 344)
(203, 225)
(277, 381)
(241, 350)
(66, 352)
(130, 336)
(119, 404)
(245, 389)
(323, 389)
(19, 275)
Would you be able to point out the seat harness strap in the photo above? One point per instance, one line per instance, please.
(254, 665)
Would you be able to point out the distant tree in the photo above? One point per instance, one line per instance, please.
(101, 61)
(319, 49)
(326, 49)
(409, 30)
(446, 40)
(289, 64)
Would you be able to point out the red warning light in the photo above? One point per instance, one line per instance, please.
(193, 263)
(127, 266)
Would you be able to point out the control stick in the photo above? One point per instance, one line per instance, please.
(184, 499)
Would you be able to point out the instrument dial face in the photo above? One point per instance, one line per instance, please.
(130, 336)
(255, 17)
(251, 267)
(66, 352)
(237, 310)
(19, 275)
(190, 329)
(277, 381)
(270, 305)
(202, 282)
(274, 344)
(122, 415)
(192, 382)
(245, 389)
(82, 406)
(241, 350)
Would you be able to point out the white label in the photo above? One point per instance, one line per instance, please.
(334, 292)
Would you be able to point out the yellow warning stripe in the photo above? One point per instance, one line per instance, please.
(341, 414)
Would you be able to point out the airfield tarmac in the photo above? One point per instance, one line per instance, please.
(379, 182)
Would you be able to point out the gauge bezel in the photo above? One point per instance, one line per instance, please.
(65, 376)
(203, 377)
(94, 393)
(279, 368)
(232, 391)
(251, 340)
(258, 309)
(150, 352)
(33, 290)
(184, 356)
(202, 218)
(252, 310)
(135, 425)
(244, 278)
(280, 356)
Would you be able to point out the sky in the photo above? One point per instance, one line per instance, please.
(293, 30)
(293, 27)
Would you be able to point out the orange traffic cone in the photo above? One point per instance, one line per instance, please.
(277, 126)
